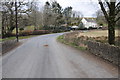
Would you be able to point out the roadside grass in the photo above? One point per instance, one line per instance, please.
(21, 37)
(61, 39)
(100, 36)
(10, 38)
(78, 47)
(25, 37)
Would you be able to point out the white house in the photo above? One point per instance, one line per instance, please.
(89, 22)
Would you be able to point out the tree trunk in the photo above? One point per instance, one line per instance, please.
(12, 25)
(111, 32)
(111, 24)
(3, 20)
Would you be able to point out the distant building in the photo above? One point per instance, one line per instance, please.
(74, 27)
(89, 23)
(1, 7)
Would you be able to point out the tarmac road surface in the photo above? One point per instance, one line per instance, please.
(44, 57)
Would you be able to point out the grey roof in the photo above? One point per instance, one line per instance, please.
(0, 6)
(90, 20)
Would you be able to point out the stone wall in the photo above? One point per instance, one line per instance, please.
(0, 48)
(106, 51)
(7, 44)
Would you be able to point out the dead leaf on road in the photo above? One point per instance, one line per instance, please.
(46, 45)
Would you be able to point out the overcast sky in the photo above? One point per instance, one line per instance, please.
(86, 7)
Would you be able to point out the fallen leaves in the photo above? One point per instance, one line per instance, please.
(45, 45)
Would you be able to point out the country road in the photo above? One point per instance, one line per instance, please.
(44, 57)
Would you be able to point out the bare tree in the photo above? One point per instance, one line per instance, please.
(8, 14)
(101, 21)
(0, 22)
(67, 14)
(111, 17)
(52, 15)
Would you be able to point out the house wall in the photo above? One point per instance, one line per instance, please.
(89, 24)
(92, 24)
(85, 23)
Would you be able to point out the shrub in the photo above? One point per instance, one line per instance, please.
(25, 33)
(21, 29)
(8, 34)
(39, 32)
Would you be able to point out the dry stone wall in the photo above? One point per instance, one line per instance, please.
(7, 44)
(106, 51)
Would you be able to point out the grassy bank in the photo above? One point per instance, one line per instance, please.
(99, 36)
(61, 39)
(21, 37)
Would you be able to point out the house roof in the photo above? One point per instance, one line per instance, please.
(1, 6)
(90, 20)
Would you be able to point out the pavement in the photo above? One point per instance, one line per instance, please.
(44, 57)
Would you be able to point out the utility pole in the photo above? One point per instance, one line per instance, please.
(35, 14)
(16, 22)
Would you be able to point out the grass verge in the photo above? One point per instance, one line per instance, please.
(21, 37)
(61, 39)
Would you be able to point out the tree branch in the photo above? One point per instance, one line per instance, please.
(103, 9)
(117, 12)
(118, 4)
(107, 3)
(117, 8)
(117, 19)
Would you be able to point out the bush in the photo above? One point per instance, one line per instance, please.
(39, 32)
(8, 34)
(25, 33)
(21, 29)
(35, 32)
